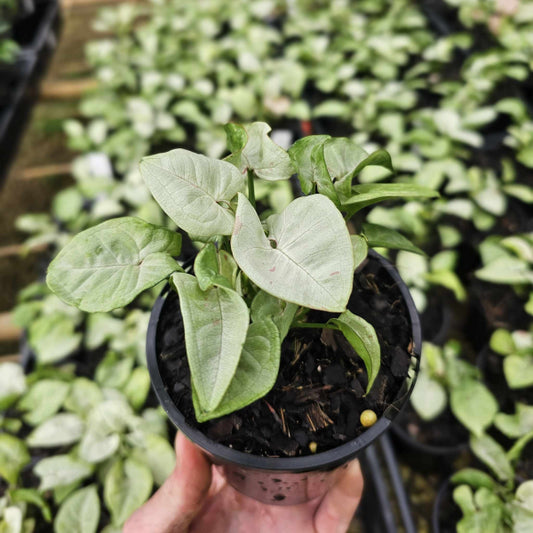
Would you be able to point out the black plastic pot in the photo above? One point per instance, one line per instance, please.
(425, 454)
(285, 480)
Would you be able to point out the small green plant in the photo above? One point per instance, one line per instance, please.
(446, 379)
(499, 502)
(253, 279)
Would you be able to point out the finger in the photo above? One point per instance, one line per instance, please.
(173, 507)
(338, 506)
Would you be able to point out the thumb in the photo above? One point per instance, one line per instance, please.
(173, 507)
(336, 510)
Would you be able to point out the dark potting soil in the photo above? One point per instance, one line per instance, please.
(443, 431)
(319, 394)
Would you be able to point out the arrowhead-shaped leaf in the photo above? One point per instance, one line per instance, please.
(215, 322)
(362, 336)
(307, 258)
(107, 266)
(194, 190)
(257, 370)
(300, 153)
(259, 152)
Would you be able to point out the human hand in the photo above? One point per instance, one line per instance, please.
(197, 499)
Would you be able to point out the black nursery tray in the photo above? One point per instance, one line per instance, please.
(385, 506)
(37, 35)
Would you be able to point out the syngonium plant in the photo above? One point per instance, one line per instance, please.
(253, 279)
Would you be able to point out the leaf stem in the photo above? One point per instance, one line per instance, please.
(251, 190)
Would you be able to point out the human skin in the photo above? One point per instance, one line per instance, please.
(196, 499)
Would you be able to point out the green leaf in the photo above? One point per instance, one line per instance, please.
(342, 157)
(13, 457)
(473, 405)
(260, 153)
(107, 266)
(43, 400)
(372, 193)
(362, 336)
(266, 306)
(113, 371)
(193, 190)
(137, 388)
(379, 158)
(12, 520)
(33, 497)
(60, 430)
(53, 337)
(360, 249)
(312, 261)
(449, 280)
(158, 455)
(518, 424)
(518, 370)
(257, 370)
(206, 269)
(128, 484)
(464, 498)
(215, 323)
(101, 328)
(473, 477)
(300, 153)
(493, 455)
(84, 394)
(502, 342)
(12, 384)
(506, 270)
(382, 237)
(79, 513)
(429, 397)
(61, 470)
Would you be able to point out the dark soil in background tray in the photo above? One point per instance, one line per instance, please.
(443, 431)
(319, 394)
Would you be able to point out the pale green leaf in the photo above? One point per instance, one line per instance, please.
(215, 323)
(107, 266)
(448, 279)
(61, 470)
(194, 190)
(362, 336)
(34, 497)
(98, 445)
(260, 153)
(206, 269)
(282, 313)
(12, 383)
(307, 258)
(84, 394)
(128, 484)
(13, 457)
(518, 370)
(300, 153)
(382, 237)
(60, 430)
(43, 400)
(518, 424)
(493, 455)
(428, 398)
(506, 270)
(158, 454)
(257, 370)
(473, 405)
(137, 387)
(360, 249)
(79, 513)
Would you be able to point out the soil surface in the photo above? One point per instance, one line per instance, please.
(320, 391)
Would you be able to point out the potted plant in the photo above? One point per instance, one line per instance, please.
(267, 347)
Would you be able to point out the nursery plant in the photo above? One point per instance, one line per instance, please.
(253, 279)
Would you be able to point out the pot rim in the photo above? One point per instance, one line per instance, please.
(321, 460)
